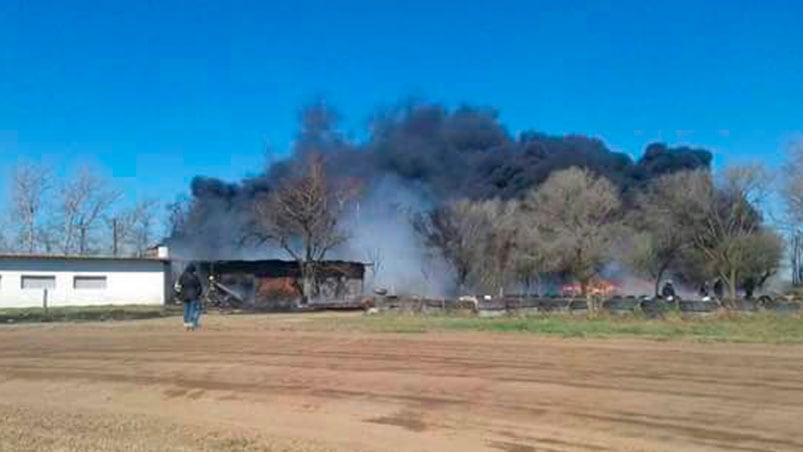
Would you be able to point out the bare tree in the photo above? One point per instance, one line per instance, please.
(453, 231)
(48, 239)
(85, 199)
(133, 228)
(303, 216)
(478, 239)
(497, 248)
(374, 257)
(728, 233)
(531, 258)
(29, 187)
(121, 227)
(178, 213)
(640, 253)
(144, 224)
(763, 251)
(792, 196)
(660, 238)
(5, 244)
(578, 217)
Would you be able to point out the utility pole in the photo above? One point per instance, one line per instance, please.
(797, 268)
(114, 237)
(82, 247)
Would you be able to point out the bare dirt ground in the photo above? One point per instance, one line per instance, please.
(265, 383)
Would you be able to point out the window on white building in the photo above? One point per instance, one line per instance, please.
(38, 282)
(89, 282)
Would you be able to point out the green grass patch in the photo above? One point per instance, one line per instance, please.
(731, 328)
(85, 313)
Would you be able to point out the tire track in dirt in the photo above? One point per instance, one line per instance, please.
(431, 391)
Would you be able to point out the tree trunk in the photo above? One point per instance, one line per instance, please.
(82, 247)
(30, 239)
(589, 299)
(114, 237)
(306, 287)
(658, 279)
(30, 224)
(732, 287)
(308, 279)
(306, 283)
(462, 276)
(796, 260)
(68, 236)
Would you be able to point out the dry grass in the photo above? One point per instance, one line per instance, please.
(730, 328)
(86, 313)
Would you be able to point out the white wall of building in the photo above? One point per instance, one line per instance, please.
(127, 281)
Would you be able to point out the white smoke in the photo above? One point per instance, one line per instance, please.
(382, 234)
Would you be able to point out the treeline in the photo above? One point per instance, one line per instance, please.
(80, 214)
(692, 225)
(689, 224)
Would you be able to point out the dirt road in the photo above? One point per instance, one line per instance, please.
(263, 383)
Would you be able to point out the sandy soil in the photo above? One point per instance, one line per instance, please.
(264, 383)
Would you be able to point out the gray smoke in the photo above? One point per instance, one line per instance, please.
(382, 234)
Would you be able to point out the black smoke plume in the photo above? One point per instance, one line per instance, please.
(438, 153)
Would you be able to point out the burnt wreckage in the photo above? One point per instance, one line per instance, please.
(277, 284)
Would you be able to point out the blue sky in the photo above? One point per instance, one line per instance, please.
(154, 92)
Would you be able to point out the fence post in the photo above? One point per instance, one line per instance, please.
(44, 301)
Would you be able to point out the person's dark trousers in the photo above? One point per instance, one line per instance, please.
(188, 314)
(195, 313)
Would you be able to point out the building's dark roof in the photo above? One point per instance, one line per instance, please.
(62, 257)
(280, 268)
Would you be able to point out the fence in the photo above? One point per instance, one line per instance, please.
(649, 307)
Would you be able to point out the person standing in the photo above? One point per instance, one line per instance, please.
(704, 290)
(719, 289)
(668, 292)
(189, 292)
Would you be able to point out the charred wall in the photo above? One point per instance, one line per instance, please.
(276, 284)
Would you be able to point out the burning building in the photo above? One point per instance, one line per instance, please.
(276, 284)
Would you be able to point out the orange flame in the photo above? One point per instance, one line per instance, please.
(600, 287)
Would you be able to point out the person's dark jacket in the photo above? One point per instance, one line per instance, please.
(190, 287)
(719, 289)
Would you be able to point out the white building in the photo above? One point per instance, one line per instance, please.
(29, 280)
